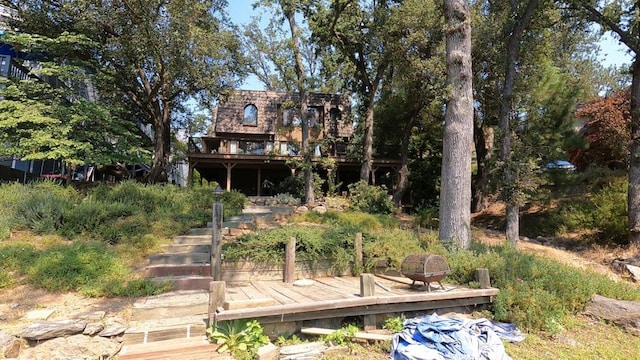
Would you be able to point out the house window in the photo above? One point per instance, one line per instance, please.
(290, 118)
(250, 115)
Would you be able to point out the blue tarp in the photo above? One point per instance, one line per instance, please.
(440, 338)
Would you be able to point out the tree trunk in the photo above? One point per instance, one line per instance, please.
(510, 173)
(307, 153)
(455, 192)
(403, 182)
(367, 148)
(480, 182)
(161, 143)
(634, 163)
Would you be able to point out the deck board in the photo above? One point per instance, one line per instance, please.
(338, 287)
(266, 291)
(340, 296)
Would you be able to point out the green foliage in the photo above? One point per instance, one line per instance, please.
(91, 268)
(287, 199)
(394, 324)
(15, 258)
(535, 293)
(342, 336)
(294, 185)
(370, 199)
(239, 337)
(126, 219)
(351, 219)
(42, 206)
(426, 217)
(233, 202)
(604, 214)
(390, 245)
(312, 244)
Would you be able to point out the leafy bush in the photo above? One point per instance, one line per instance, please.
(392, 245)
(354, 219)
(535, 293)
(605, 213)
(241, 338)
(370, 199)
(233, 202)
(41, 212)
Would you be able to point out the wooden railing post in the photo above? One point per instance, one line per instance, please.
(368, 288)
(216, 298)
(290, 261)
(482, 276)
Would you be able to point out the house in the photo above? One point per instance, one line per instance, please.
(255, 135)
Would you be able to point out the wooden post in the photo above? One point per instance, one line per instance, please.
(368, 288)
(290, 261)
(482, 276)
(358, 250)
(216, 298)
(216, 241)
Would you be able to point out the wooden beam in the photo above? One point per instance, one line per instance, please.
(249, 303)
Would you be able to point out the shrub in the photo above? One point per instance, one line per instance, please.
(91, 268)
(14, 261)
(354, 219)
(41, 212)
(392, 245)
(370, 199)
(233, 202)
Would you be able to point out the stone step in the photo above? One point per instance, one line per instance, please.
(232, 232)
(177, 270)
(195, 348)
(186, 248)
(174, 304)
(200, 237)
(153, 331)
(180, 258)
(187, 282)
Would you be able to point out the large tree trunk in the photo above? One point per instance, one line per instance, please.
(304, 100)
(367, 148)
(455, 192)
(161, 142)
(634, 163)
(510, 174)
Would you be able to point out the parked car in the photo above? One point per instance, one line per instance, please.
(560, 165)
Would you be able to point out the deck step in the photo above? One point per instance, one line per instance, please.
(180, 258)
(177, 270)
(171, 305)
(189, 282)
(195, 348)
(148, 331)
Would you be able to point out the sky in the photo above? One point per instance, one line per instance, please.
(240, 11)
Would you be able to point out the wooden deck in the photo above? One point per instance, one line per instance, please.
(339, 297)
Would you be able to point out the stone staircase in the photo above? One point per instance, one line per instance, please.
(182, 314)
